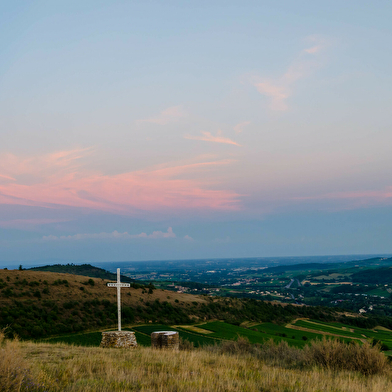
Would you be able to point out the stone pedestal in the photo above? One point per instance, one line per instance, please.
(165, 339)
(120, 339)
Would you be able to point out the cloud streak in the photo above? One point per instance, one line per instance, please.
(166, 116)
(113, 235)
(60, 179)
(240, 127)
(279, 90)
(208, 137)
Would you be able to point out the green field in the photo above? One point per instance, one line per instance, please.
(255, 334)
(273, 329)
(347, 331)
(259, 333)
(195, 338)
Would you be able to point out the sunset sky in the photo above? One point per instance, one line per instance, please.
(145, 130)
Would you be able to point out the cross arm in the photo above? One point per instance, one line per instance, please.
(118, 285)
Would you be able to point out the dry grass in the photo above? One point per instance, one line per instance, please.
(15, 374)
(12, 366)
(336, 355)
(69, 368)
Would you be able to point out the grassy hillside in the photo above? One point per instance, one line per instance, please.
(36, 304)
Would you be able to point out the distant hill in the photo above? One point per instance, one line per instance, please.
(374, 262)
(83, 270)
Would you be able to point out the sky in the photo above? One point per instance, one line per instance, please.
(152, 130)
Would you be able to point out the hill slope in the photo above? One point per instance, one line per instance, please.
(35, 304)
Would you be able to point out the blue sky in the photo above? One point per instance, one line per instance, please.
(161, 130)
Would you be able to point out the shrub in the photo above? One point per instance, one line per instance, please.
(186, 345)
(281, 354)
(336, 355)
(239, 346)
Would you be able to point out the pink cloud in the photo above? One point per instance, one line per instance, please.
(208, 137)
(278, 95)
(60, 180)
(7, 178)
(166, 116)
(113, 235)
(240, 127)
(280, 90)
(313, 49)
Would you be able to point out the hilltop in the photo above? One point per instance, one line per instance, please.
(83, 270)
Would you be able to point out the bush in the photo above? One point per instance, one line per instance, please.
(336, 355)
(239, 346)
(186, 345)
(281, 354)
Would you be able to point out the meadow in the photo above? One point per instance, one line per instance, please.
(231, 366)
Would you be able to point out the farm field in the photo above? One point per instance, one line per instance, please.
(196, 338)
(381, 335)
(256, 334)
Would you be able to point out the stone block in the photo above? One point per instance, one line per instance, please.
(119, 339)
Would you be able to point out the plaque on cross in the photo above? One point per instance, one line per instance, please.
(118, 284)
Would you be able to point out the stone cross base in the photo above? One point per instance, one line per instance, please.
(165, 339)
(120, 339)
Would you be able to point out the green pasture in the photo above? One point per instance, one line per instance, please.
(196, 338)
(226, 331)
(329, 328)
(379, 292)
(273, 329)
(347, 330)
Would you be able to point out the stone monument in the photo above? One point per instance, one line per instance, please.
(123, 339)
(165, 339)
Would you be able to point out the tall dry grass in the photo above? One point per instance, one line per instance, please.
(330, 354)
(15, 373)
(74, 369)
(336, 355)
(12, 365)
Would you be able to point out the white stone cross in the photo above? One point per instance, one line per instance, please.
(119, 285)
